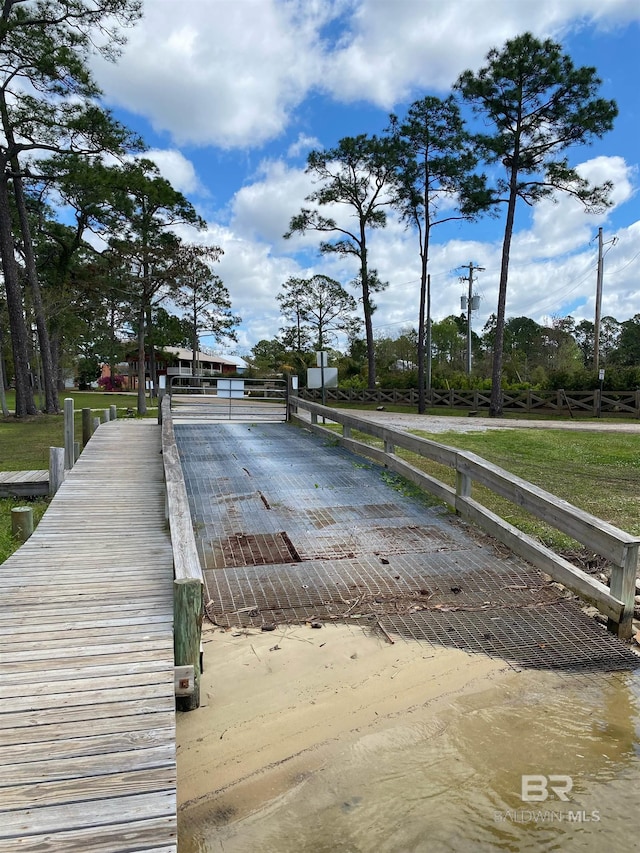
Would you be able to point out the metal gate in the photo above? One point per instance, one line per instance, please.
(202, 399)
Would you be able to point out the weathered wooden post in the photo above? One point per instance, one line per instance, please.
(96, 423)
(76, 451)
(87, 426)
(56, 469)
(68, 433)
(113, 412)
(623, 587)
(188, 612)
(463, 483)
(22, 522)
(106, 416)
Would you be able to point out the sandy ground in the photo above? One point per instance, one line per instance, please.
(276, 705)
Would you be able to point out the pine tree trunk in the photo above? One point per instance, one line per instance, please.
(142, 400)
(3, 396)
(495, 406)
(366, 307)
(52, 405)
(25, 403)
(424, 318)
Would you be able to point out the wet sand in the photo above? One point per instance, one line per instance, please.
(278, 706)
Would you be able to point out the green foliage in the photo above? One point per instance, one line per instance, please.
(268, 356)
(437, 182)
(169, 330)
(317, 307)
(357, 382)
(88, 370)
(627, 353)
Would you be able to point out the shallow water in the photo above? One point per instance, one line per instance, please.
(453, 781)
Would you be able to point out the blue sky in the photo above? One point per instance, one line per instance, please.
(231, 95)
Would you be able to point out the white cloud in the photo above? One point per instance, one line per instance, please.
(303, 145)
(176, 169)
(264, 209)
(231, 72)
(561, 224)
(394, 48)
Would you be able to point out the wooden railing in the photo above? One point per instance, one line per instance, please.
(188, 599)
(618, 547)
(592, 403)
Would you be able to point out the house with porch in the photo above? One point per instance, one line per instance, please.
(175, 362)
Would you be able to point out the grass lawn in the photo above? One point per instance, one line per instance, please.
(598, 472)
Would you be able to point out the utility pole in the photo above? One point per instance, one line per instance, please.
(596, 336)
(470, 303)
(598, 317)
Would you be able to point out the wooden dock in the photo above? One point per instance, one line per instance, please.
(24, 483)
(87, 707)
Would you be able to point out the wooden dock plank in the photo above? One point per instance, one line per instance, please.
(76, 768)
(60, 818)
(61, 730)
(87, 707)
(40, 720)
(82, 697)
(63, 791)
(118, 836)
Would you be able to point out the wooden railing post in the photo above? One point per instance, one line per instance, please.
(113, 412)
(87, 426)
(623, 587)
(68, 433)
(188, 612)
(56, 469)
(463, 484)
